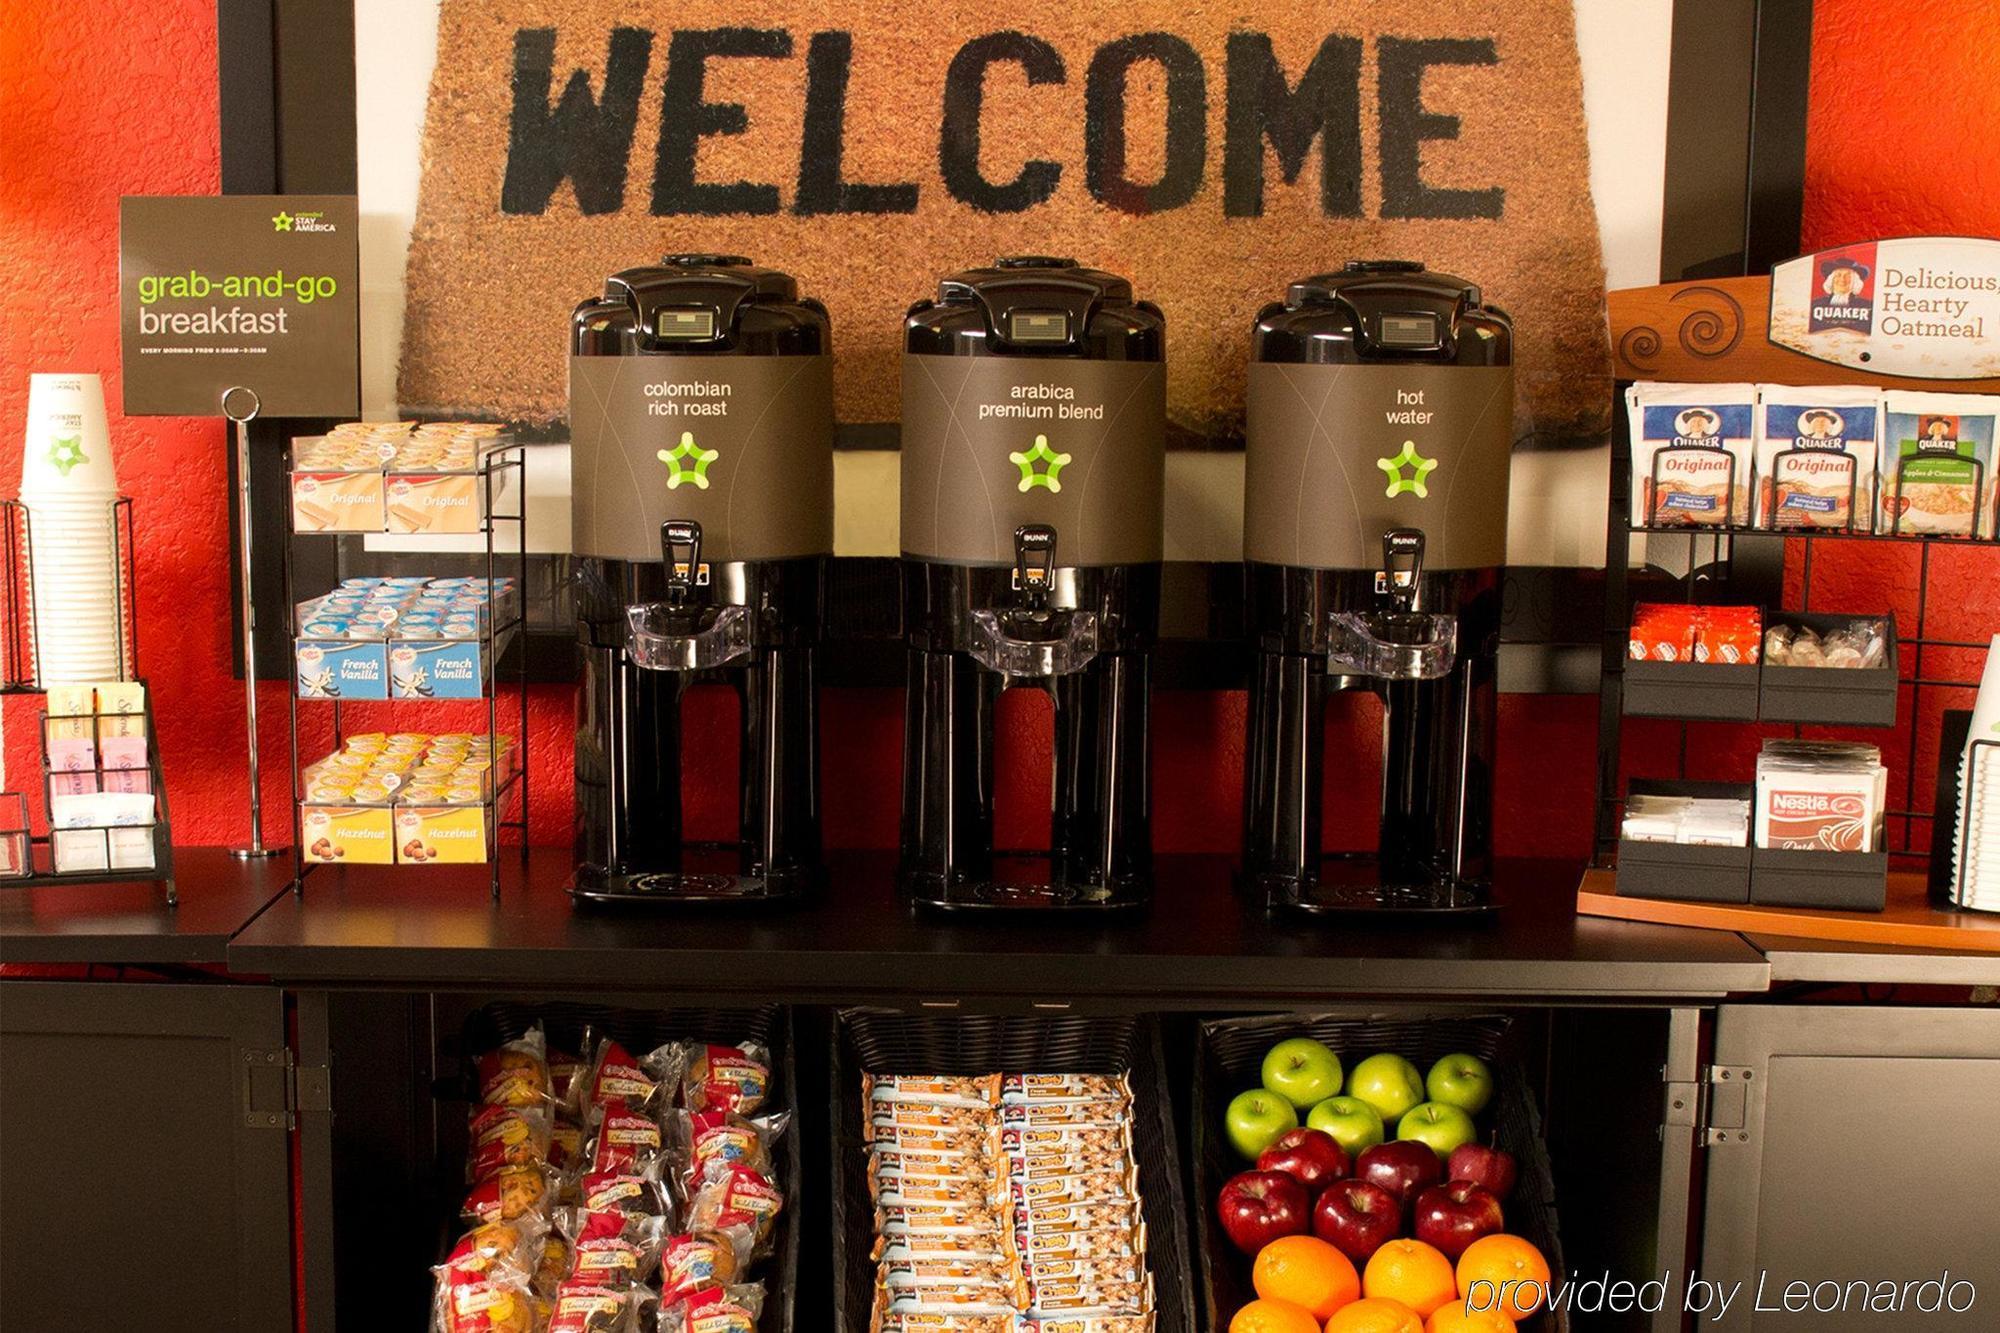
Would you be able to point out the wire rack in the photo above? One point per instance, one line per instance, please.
(506, 800)
(1710, 574)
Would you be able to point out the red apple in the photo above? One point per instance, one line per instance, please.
(1257, 1207)
(1312, 1157)
(1452, 1216)
(1482, 1164)
(1357, 1218)
(1404, 1167)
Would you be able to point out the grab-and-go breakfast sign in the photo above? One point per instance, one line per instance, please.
(1927, 307)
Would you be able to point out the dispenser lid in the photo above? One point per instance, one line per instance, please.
(1035, 300)
(1397, 307)
(1366, 279)
(698, 298)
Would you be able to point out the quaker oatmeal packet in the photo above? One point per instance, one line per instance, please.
(1693, 449)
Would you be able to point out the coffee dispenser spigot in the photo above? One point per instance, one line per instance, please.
(1400, 643)
(1034, 639)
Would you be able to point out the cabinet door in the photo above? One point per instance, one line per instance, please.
(138, 1192)
(1855, 1150)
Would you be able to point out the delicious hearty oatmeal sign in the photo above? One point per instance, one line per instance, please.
(1211, 154)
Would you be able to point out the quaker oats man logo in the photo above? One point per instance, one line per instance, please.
(1696, 423)
(676, 456)
(1049, 477)
(1420, 468)
(1820, 424)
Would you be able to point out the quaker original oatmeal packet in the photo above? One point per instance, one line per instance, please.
(1816, 450)
(1937, 463)
(1693, 450)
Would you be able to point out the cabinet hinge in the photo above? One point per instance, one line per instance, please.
(1724, 1118)
(276, 1088)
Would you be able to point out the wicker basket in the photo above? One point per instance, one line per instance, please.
(1229, 1056)
(642, 1030)
(882, 1041)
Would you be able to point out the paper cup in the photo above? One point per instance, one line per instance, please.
(68, 446)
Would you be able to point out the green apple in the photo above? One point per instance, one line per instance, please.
(1256, 1118)
(1461, 1080)
(1439, 1127)
(1354, 1124)
(1302, 1071)
(1387, 1082)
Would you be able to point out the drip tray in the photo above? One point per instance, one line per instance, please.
(681, 889)
(1357, 888)
(1024, 895)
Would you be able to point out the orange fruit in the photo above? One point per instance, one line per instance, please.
(1308, 1272)
(1412, 1272)
(1515, 1274)
(1460, 1318)
(1374, 1315)
(1262, 1316)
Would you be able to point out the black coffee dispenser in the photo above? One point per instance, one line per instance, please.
(701, 437)
(1380, 407)
(1033, 473)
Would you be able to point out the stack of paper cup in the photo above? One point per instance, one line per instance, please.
(70, 490)
(1975, 851)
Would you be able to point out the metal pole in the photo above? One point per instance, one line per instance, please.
(242, 416)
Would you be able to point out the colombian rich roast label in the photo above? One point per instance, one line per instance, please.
(1337, 455)
(257, 291)
(991, 443)
(742, 445)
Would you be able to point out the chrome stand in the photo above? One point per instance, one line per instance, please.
(255, 850)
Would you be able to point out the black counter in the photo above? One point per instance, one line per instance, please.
(1198, 946)
(132, 923)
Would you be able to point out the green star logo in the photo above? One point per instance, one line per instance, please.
(66, 452)
(687, 448)
(281, 222)
(1418, 465)
(1049, 478)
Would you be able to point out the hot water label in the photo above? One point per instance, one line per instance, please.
(1338, 455)
(742, 445)
(991, 443)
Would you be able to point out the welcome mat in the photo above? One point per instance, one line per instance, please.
(1212, 153)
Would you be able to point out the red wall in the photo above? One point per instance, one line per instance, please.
(99, 105)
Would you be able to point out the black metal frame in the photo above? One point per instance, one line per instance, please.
(1735, 175)
(1721, 570)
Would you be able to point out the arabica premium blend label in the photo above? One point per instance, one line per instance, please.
(991, 443)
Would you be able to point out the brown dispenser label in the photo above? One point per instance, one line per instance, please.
(992, 442)
(1210, 153)
(742, 445)
(1337, 455)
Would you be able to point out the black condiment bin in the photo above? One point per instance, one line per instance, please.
(889, 1041)
(1838, 696)
(1228, 1058)
(640, 1030)
(1843, 881)
(1726, 692)
(1689, 872)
